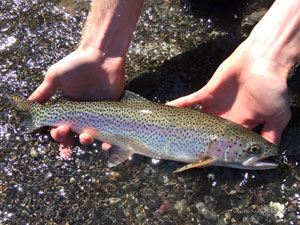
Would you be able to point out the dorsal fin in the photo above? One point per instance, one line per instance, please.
(130, 96)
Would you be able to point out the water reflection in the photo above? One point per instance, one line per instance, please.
(7, 42)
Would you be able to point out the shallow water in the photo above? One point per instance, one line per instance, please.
(174, 52)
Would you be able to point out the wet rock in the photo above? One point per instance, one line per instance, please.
(239, 188)
(259, 196)
(254, 220)
(114, 176)
(250, 20)
(114, 201)
(220, 222)
(33, 153)
(182, 208)
(13, 157)
(278, 208)
(140, 215)
(209, 201)
(205, 212)
(147, 171)
(127, 212)
(48, 176)
(136, 185)
(166, 206)
(227, 217)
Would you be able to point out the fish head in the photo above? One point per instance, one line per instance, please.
(243, 154)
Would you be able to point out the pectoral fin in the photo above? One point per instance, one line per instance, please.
(202, 163)
(118, 155)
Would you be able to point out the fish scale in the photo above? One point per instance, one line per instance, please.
(156, 130)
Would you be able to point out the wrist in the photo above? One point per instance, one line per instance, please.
(273, 58)
(254, 59)
(276, 38)
(110, 26)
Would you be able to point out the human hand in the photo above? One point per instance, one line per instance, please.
(246, 89)
(85, 74)
(95, 71)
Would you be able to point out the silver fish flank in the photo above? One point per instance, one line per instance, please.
(138, 126)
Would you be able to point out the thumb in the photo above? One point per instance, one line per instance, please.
(189, 100)
(43, 93)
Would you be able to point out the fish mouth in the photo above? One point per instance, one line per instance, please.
(258, 164)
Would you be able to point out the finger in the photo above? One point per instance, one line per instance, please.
(189, 100)
(106, 146)
(43, 93)
(86, 139)
(60, 133)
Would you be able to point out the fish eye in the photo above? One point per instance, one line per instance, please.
(254, 149)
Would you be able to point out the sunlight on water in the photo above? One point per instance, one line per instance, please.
(5, 216)
(5, 43)
(155, 161)
(4, 131)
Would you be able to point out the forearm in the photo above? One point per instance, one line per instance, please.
(277, 36)
(110, 25)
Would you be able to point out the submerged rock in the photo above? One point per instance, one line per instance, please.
(205, 212)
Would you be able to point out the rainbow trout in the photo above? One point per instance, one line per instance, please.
(138, 126)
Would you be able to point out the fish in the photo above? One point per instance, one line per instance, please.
(135, 125)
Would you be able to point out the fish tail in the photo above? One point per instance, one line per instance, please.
(24, 106)
(20, 103)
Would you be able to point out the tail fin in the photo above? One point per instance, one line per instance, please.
(24, 107)
(20, 103)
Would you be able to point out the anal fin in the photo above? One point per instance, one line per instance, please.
(118, 155)
(202, 163)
